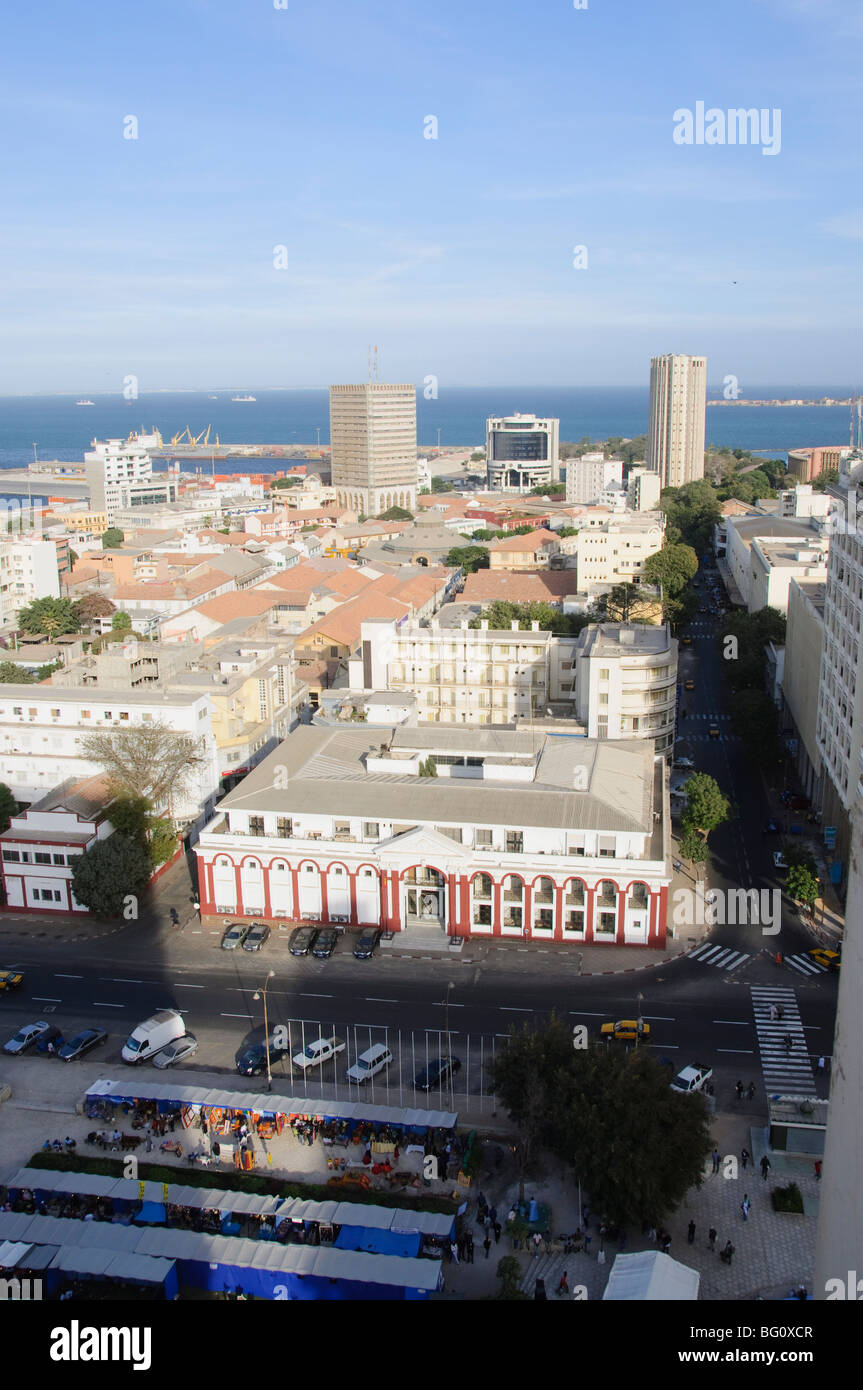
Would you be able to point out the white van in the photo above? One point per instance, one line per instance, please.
(369, 1063)
(152, 1035)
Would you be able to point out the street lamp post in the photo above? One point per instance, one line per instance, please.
(640, 998)
(257, 995)
(448, 1053)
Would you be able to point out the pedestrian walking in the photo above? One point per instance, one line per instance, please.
(817, 1170)
(677, 866)
(780, 1012)
(585, 1216)
(773, 1014)
(486, 1245)
(587, 1240)
(563, 1286)
(497, 1230)
(666, 1243)
(745, 1205)
(453, 1250)
(801, 1293)
(537, 1242)
(750, 1094)
(711, 1238)
(470, 1249)
(726, 1254)
(492, 1216)
(149, 1144)
(600, 1256)
(745, 1157)
(822, 1064)
(716, 1160)
(788, 1042)
(690, 1234)
(739, 1089)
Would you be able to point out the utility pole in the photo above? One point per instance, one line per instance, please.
(257, 995)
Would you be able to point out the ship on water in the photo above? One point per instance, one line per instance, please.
(243, 398)
(85, 402)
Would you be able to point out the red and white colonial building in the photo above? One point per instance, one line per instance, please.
(472, 832)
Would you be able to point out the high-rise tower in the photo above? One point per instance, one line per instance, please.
(675, 433)
(373, 437)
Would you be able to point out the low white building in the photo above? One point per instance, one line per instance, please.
(644, 488)
(626, 682)
(741, 534)
(615, 552)
(41, 845)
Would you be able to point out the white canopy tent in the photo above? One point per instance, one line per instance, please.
(650, 1276)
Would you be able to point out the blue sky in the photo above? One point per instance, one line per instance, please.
(303, 127)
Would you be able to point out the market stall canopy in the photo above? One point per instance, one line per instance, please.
(143, 1089)
(649, 1275)
(151, 1213)
(12, 1252)
(322, 1262)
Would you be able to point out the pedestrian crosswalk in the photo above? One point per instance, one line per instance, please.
(787, 1069)
(720, 957)
(805, 965)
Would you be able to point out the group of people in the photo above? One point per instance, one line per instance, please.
(747, 1091)
(58, 1146)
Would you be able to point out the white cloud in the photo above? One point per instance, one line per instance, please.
(847, 224)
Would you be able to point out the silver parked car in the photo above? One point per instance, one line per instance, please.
(25, 1037)
(177, 1051)
(235, 936)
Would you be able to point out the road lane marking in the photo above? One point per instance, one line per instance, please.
(309, 994)
(98, 1004)
(181, 984)
(45, 999)
(374, 999)
(235, 1015)
(734, 1022)
(119, 980)
(585, 1013)
(747, 1050)
(658, 1018)
(58, 976)
(513, 1009)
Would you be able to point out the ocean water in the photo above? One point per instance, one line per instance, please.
(62, 430)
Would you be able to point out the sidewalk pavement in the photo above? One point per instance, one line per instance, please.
(172, 889)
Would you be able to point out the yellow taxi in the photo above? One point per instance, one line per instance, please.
(713, 731)
(687, 641)
(10, 979)
(689, 685)
(627, 1030)
(829, 959)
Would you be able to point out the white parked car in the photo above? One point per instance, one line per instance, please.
(314, 1054)
(684, 764)
(691, 1079)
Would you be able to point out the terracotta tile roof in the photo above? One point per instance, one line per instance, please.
(234, 538)
(543, 586)
(343, 624)
(248, 604)
(533, 540)
(191, 588)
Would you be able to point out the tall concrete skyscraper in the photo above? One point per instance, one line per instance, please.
(675, 432)
(373, 437)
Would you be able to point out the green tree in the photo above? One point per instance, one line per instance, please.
(428, 767)
(112, 538)
(55, 617)
(286, 482)
(549, 490)
(8, 807)
(121, 622)
(134, 818)
(440, 484)
(693, 847)
(509, 1274)
(826, 478)
(502, 613)
(755, 719)
(92, 607)
(468, 558)
(478, 456)
(396, 514)
(12, 674)
(626, 603)
(674, 567)
(746, 659)
(707, 807)
(692, 511)
(635, 1145)
(802, 885)
(108, 873)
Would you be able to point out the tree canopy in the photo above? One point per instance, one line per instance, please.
(149, 762)
(626, 603)
(134, 818)
(756, 719)
(8, 807)
(55, 617)
(90, 607)
(108, 873)
(692, 511)
(396, 514)
(707, 807)
(636, 1146)
(502, 613)
(468, 558)
(112, 538)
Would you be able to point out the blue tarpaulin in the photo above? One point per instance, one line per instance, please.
(151, 1214)
(379, 1242)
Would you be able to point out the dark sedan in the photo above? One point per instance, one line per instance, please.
(82, 1043)
(302, 940)
(325, 943)
(257, 937)
(366, 943)
(252, 1060)
(437, 1073)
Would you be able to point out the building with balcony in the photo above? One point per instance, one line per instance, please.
(29, 569)
(626, 682)
(515, 834)
(589, 476)
(522, 452)
(675, 432)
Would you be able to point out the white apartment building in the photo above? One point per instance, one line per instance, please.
(467, 675)
(522, 452)
(840, 692)
(373, 443)
(748, 541)
(588, 477)
(120, 475)
(41, 845)
(28, 570)
(618, 681)
(804, 501)
(41, 729)
(615, 552)
(678, 404)
(644, 488)
(626, 682)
